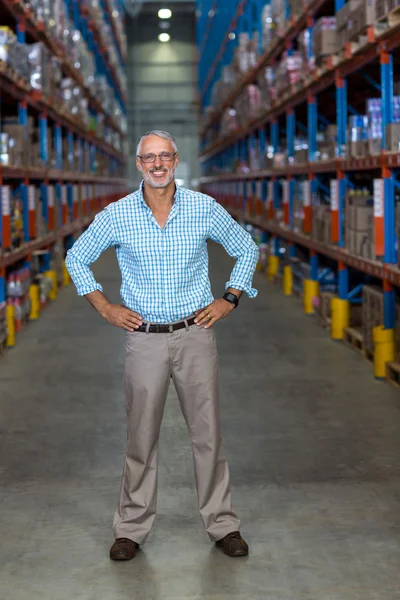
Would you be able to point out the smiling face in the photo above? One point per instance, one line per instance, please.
(160, 173)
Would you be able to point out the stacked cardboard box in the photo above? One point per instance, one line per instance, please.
(327, 143)
(343, 22)
(393, 137)
(383, 7)
(353, 19)
(325, 38)
(322, 224)
(359, 225)
(372, 314)
(41, 223)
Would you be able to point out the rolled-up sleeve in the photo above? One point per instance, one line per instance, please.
(238, 244)
(86, 250)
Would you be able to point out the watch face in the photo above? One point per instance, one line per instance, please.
(231, 298)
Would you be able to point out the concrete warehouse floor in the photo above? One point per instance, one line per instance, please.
(313, 443)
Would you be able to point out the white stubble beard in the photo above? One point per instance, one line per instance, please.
(148, 179)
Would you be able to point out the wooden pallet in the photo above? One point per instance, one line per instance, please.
(354, 339)
(368, 355)
(324, 322)
(393, 373)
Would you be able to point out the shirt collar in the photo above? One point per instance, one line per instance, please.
(177, 195)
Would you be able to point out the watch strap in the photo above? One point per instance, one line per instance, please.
(231, 298)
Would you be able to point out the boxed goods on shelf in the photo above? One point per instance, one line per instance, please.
(289, 71)
(245, 57)
(325, 38)
(13, 53)
(321, 224)
(229, 122)
(361, 16)
(18, 146)
(278, 15)
(17, 292)
(268, 26)
(266, 84)
(305, 43)
(343, 21)
(248, 104)
(393, 137)
(326, 142)
(40, 222)
(16, 214)
(358, 136)
(359, 224)
(300, 150)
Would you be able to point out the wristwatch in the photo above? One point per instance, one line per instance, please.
(231, 298)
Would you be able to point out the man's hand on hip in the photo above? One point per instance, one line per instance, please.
(122, 317)
(214, 312)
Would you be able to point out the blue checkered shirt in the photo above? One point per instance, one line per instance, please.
(164, 271)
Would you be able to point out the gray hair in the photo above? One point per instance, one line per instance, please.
(161, 134)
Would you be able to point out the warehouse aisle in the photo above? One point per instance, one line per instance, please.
(313, 443)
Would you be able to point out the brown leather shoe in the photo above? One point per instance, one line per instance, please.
(233, 545)
(123, 549)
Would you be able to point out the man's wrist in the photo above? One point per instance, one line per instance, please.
(231, 298)
(237, 293)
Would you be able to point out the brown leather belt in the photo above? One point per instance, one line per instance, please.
(156, 328)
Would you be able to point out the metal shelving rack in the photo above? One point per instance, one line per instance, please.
(66, 181)
(333, 77)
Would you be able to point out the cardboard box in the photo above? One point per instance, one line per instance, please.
(301, 156)
(325, 42)
(381, 8)
(342, 16)
(361, 17)
(360, 244)
(393, 137)
(361, 217)
(358, 149)
(375, 147)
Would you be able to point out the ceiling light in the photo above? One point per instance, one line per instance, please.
(164, 37)
(164, 13)
(232, 36)
(164, 25)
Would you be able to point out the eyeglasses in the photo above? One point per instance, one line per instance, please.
(165, 157)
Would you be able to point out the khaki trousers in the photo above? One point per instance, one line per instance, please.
(190, 356)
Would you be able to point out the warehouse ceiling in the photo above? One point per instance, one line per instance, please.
(134, 7)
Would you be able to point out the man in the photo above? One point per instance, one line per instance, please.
(160, 235)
